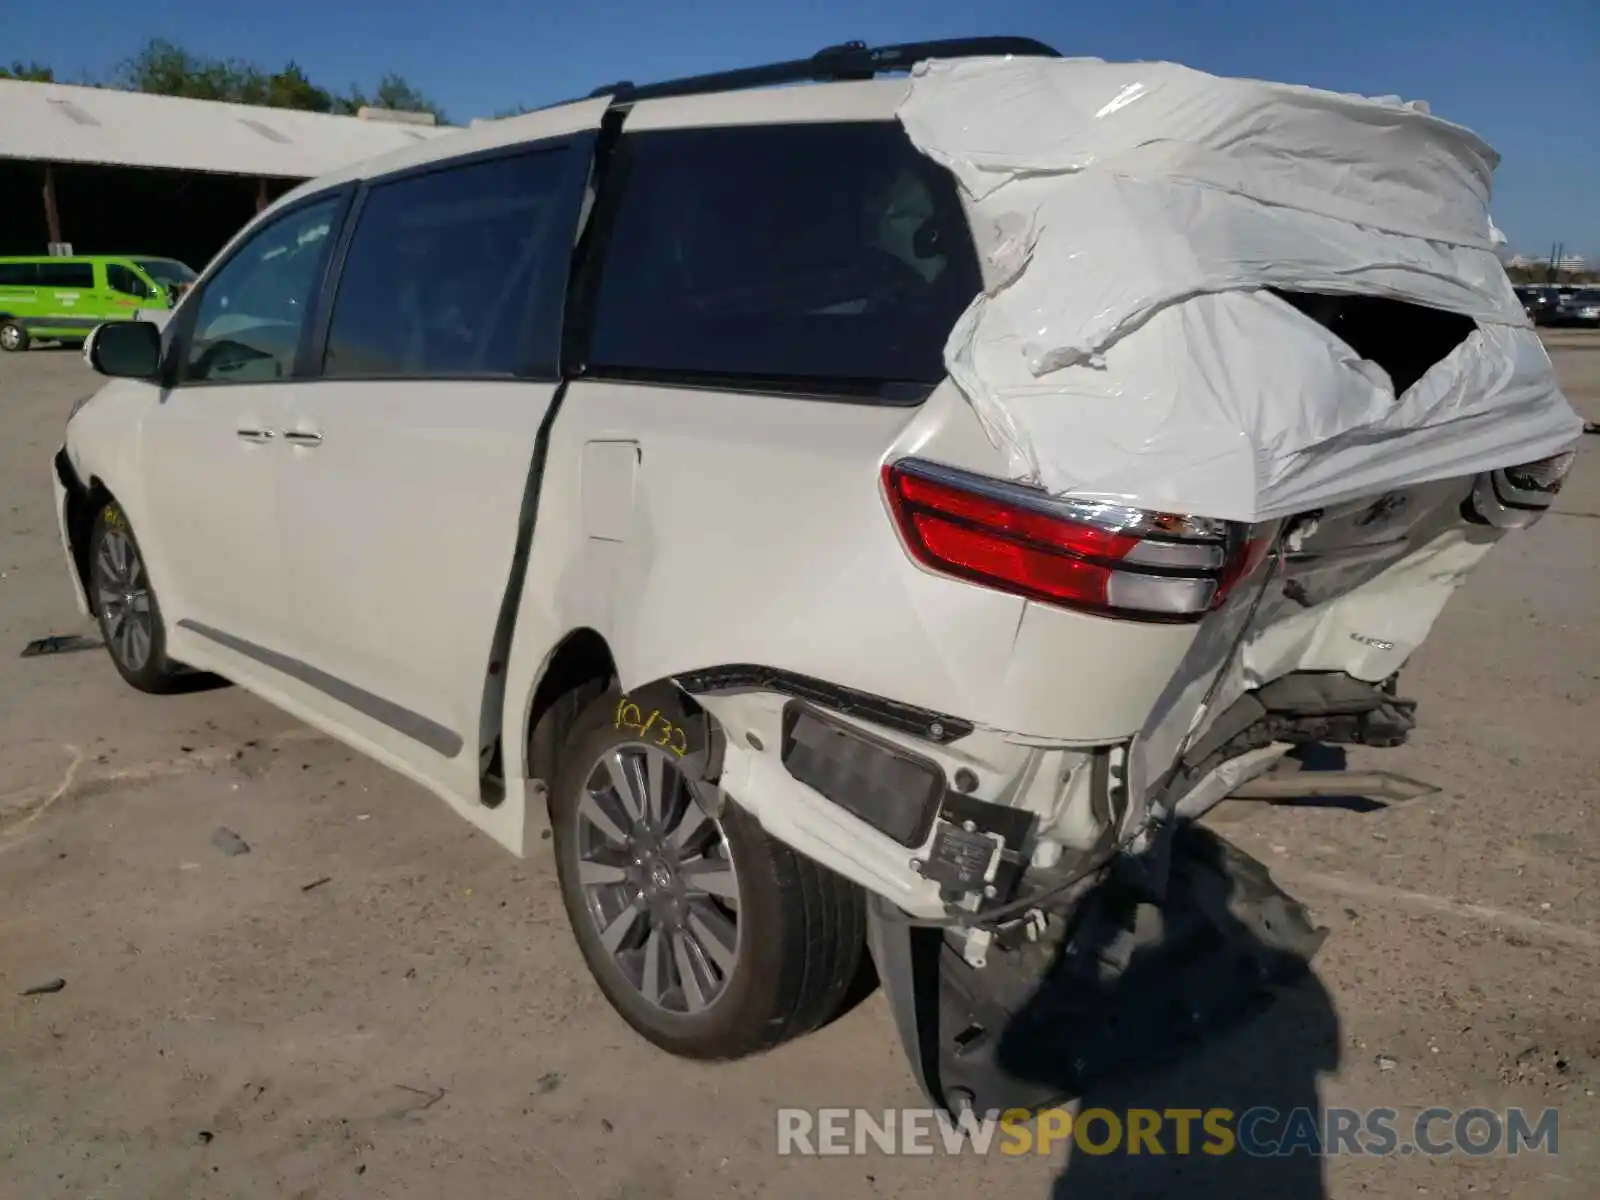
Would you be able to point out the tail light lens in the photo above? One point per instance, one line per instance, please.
(1516, 497)
(1544, 477)
(1101, 558)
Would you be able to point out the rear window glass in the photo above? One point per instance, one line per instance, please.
(66, 274)
(805, 255)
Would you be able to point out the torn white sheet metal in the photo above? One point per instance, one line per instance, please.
(1361, 610)
(1131, 215)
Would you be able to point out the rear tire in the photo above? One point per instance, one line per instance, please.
(766, 954)
(13, 337)
(125, 605)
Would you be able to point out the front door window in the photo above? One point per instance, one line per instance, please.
(253, 310)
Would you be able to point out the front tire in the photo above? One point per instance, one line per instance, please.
(13, 337)
(712, 939)
(125, 604)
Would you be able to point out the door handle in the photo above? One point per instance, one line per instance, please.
(258, 436)
(303, 437)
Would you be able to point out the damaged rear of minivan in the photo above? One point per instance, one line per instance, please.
(1257, 374)
(1245, 397)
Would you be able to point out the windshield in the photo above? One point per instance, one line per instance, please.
(1588, 296)
(166, 270)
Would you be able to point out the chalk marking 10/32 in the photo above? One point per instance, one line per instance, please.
(666, 735)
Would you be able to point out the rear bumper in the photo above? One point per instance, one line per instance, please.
(921, 809)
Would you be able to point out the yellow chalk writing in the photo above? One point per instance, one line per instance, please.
(651, 727)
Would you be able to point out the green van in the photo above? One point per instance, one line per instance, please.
(64, 298)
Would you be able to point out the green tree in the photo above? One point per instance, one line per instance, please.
(290, 88)
(167, 69)
(30, 72)
(394, 92)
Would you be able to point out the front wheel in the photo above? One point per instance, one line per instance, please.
(13, 337)
(710, 938)
(125, 604)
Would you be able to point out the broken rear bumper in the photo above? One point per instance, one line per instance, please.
(1018, 977)
(920, 809)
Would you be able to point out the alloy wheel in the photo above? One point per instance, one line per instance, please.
(122, 591)
(10, 337)
(658, 880)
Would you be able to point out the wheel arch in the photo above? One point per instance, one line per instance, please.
(83, 502)
(580, 668)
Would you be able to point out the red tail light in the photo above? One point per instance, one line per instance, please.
(1102, 558)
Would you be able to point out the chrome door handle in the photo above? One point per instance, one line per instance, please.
(257, 436)
(302, 437)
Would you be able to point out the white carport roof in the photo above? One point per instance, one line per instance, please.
(61, 123)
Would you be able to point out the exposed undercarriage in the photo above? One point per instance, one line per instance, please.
(1120, 978)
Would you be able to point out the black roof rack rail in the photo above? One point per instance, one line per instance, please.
(851, 60)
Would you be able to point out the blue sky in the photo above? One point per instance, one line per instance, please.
(1525, 76)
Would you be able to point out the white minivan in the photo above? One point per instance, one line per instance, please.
(878, 515)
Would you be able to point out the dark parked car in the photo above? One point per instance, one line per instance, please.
(1581, 307)
(1537, 301)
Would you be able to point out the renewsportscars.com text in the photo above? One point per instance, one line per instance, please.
(1261, 1132)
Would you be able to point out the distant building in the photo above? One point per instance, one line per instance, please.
(107, 172)
(1566, 264)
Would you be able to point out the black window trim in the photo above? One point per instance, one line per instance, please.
(585, 291)
(177, 347)
(579, 144)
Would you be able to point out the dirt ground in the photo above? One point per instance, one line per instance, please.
(375, 1001)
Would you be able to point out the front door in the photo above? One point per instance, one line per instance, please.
(212, 450)
(125, 291)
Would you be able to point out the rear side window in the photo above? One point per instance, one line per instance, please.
(66, 274)
(457, 272)
(813, 256)
(18, 275)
